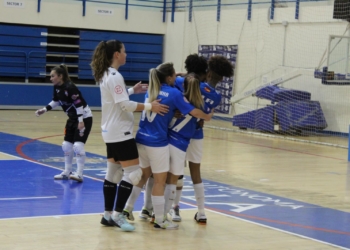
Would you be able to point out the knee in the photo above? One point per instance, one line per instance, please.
(79, 148)
(133, 174)
(180, 183)
(67, 147)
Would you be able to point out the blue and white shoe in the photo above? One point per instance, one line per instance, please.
(121, 222)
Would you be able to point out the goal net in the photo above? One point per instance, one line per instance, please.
(279, 87)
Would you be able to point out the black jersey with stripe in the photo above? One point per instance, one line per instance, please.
(70, 99)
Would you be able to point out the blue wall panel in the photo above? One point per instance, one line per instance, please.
(41, 94)
(16, 43)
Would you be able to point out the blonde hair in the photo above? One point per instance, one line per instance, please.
(192, 90)
(103, 57)
(156, 77)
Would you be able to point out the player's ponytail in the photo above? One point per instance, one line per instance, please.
(62, 71)
(103, 57)
(192, 90)
(157, 76)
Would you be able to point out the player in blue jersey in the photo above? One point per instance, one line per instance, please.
(152, 138)
(218, 67)
(180, 133)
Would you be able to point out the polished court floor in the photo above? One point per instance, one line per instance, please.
(262, 193)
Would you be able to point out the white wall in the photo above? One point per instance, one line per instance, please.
(65, 13)
(261, 51)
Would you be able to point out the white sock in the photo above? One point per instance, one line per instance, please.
(107, 214)
(115, 214)
(80, 163)
(68, 160)
(177, 198)
(158, 207)
(169, 196)
(135, 193)
(199, 193)
(148, 193)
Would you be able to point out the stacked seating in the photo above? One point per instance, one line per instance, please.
(27, 51)
(16, 42)
(291, 110)
(144, 51)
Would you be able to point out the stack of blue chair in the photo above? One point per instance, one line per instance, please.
(291, 109)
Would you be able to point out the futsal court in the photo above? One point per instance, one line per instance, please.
(261, 193)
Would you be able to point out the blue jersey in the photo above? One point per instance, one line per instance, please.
(211, 100)
(210, 96)
(179, 83)
(153, 128)
(181, 131)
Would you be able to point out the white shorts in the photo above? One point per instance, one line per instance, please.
(155, 157)
(177, 160)
(194, 151)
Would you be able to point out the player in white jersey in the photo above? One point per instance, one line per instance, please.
(218, 67)
(152, 138)
(117, 130)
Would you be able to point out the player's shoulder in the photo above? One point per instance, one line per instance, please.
(206, 88)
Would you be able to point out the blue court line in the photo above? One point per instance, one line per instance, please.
(322, 224)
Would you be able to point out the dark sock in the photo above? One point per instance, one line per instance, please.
(124, 192)
(109, 192)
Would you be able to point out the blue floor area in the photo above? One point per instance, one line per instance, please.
(28, 189)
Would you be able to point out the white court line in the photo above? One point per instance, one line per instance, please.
(39, 163)
(28, 198)
(19, 158)
(277, 229)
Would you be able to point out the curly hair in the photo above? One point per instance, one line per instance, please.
(196, 64)
(221, 66)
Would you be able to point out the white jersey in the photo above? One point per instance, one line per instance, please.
(117, 125)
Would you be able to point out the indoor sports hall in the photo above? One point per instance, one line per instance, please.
(275, 163)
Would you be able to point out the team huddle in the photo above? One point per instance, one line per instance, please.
(170, 133)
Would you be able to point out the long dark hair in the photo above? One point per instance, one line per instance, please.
(103, 57)
(62, 71)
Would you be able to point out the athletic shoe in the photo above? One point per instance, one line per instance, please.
(128, 215)
(121, 222)
(106, 222)
(145, 214)
(76, 177)
(201, 219)
(175, 213)
(166, 224)
(62, 176)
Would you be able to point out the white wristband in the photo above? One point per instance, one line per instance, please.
(131, 91)
(44, 108)
(148, 106)
(80, 118)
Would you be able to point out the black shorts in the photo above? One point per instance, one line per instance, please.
(122, 151)
(71, 131)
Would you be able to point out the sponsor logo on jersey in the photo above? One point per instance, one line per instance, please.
(207, 89)
(166, 94)
(185, 99)
(74, 97)
(118, 89)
